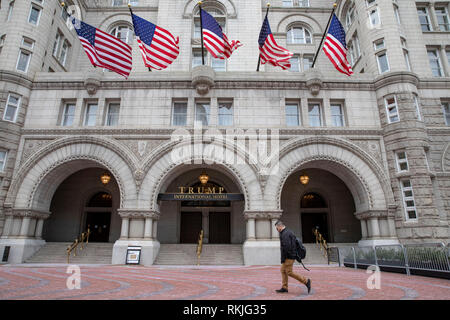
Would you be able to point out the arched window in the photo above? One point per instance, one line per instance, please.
(298, 35)
(213, 10)
(101, 199)
(312, 200)
(123, 32)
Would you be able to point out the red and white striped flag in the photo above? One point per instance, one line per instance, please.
(159, 48)
(335, 47)
(103, 49)
(269, 51)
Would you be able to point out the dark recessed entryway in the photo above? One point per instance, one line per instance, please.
(312, 220)
(191, 225)
(219, 227)
(99, 225)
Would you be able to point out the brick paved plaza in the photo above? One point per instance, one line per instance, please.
(210, 283)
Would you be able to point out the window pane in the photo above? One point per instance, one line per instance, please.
(443, 20)
(218, 64)
(435, 63)
(113, 114)
(91, 115)
(202, 113)
(424, 19)
(225, 114)
(69, 113)
(34, 15)
(22, 64)
(295, 64)
(179, 114)
(292, 116)
(337, 116)
(2, 160)
(314, 115)
(197, 58)
(307, 62)
(383, 63)
(374, 17)
(446, 108)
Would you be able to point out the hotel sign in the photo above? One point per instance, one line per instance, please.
(201, 194)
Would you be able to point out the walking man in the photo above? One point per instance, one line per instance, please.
(288, 255)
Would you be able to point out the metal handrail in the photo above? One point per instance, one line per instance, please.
(199, 246)
(321, 242)
(83, 239)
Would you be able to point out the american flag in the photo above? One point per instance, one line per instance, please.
(270, 51)
(335, 47)
(214, 39)
(103, 49)
(158, 46)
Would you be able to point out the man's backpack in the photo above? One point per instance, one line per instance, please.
(300, 251)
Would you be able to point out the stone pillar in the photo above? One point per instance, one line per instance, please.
(384, 228)
(364, 229)
(374, 228)
(251, 229)
(155, 229)
(7, 227)
(25, 226)
(391, 225)
(205, 226)
(445, 64)
(275, 233)
(125, 227)
(39, 226)
(148, 228)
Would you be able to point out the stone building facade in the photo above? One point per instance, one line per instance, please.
(375, 146)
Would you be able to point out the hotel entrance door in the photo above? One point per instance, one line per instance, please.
(219, 227)
(191, 225)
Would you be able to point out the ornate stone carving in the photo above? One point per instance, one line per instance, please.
(26, 212)
(263, 214)
(313, 81)
(138, 214)
(92, 82)
(370, 146)
(203, 79)
(31, 146)
(371, 214)
(142, 148)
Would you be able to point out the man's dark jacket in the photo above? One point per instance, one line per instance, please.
(288, 246)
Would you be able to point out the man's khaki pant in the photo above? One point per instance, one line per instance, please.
(286, 271)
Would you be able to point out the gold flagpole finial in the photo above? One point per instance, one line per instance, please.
(63, 4)
(129, 5)
(199, 2)
(334, 5)
(268, 4)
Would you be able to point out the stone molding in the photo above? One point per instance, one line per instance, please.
(203, 79)
(27, 213)
(138, 213)
(366, 215)
(314, 81)
(258, 214)
(396, 77)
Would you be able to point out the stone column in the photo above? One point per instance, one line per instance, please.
(205, 226)
(155, 229)
(251, 229)
(391, 224)
(148, 228)
(39, 226)
(374, 229)
(445, 64)
(275, 234)
(25, 226)
(364, 229)
(384, 227)
(7, 227)
(125, 227)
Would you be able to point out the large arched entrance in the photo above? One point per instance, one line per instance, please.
(188, 205)
(324, 202)
(80, 202)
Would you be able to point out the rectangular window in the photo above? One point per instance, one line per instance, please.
(442, 18)
(288, 3)
(295, 64)
(397, 14)
(68, 115)
(402, 161)
(56, 44)
(446, 110)
(218, 64)
(379, 44)
(63, 55)
(354, 49)
(12, 108)
(10, 11)
(417, 105)
(303, 3)
(35, 13)
(424, 19)
(112, 117)
(407, 62)
(435, 63)
(383, 63)
(374, 17)
(90, 115)
(292, 115)
(337, 115)
(307, 62)
(370, 2)
(315, 115)
(202, 112)
(197, 58)
(23, 61)
(392, 110)
(179, 114)
(408, 200)
(2, 41)
(225, 114)
(27, 43)
(3, 155)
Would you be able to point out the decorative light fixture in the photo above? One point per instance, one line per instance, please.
(304, 179)
(105, 178)
(203, 178)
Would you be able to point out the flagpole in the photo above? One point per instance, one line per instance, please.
(324, 34)
(201, 31)
(131, 12)
(259, 58)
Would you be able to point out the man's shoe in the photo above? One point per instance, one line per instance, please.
(282, 290)
(308, 285)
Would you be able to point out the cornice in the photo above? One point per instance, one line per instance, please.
(138, 213)
(259, 214)
(16, 78)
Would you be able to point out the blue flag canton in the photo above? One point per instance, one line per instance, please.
(337, 31)
(84, 30)
(209, 23)
(143, 29)
(265, 31)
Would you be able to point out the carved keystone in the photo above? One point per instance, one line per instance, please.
(203, 79)
(92, 82)
(313, 81)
